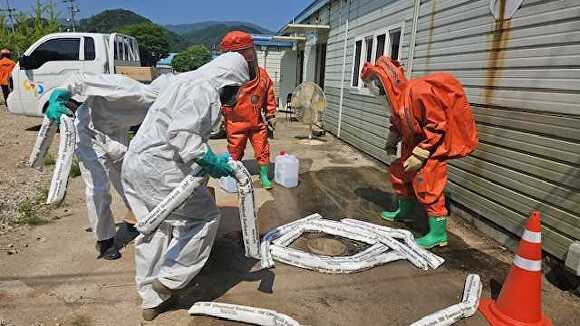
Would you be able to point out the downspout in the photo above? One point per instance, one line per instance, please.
(343, 70)
(411, 58)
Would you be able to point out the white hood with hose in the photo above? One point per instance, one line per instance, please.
(180, 120)
(177, 127)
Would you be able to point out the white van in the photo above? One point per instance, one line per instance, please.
(52, 59)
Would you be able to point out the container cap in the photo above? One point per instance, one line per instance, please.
(283, 153)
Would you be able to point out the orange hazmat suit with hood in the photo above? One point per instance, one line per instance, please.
(433, 120)
(244, 121)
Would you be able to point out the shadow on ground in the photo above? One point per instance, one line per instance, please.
(33, 128)
(226, 267)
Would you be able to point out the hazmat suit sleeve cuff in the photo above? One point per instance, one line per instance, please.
(421, 153)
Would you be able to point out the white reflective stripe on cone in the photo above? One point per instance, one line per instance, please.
(528, 264)
(533, 237)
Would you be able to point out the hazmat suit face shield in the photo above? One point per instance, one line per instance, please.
(375, 86)
(252, 59)
(5, 53)
(229, 95)
(227, 73)
(387, 77)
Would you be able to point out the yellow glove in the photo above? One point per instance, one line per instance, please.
(415, 161)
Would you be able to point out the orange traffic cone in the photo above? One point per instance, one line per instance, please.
(520, 300)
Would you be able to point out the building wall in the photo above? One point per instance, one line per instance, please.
(523, 80)
(364, 120)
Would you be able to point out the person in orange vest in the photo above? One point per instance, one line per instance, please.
(432, 118)
(245, 121)
(6, 66)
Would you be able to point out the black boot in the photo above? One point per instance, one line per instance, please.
(151, 313)
(107, 249)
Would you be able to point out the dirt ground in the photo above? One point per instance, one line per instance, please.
(49, 274)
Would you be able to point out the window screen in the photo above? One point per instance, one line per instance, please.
(380, 45)
(89, 48)
(395, 38)
(64, 49)
(356, 63)
(369, 49)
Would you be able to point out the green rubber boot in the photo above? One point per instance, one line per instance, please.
(402, 213)
(437, 235)
(266, 183)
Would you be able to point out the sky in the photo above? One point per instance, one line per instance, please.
(271, 14)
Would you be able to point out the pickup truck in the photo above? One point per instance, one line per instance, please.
(50, 61)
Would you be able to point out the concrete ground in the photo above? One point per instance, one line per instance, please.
(54, 278)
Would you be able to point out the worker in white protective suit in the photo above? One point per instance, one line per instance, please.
(111, 105)
(170, 145)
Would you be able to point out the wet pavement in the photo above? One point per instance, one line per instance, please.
(337, 182)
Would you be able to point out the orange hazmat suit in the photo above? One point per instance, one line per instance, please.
(433, 119)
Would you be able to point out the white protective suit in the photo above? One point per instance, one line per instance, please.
(161, 155)
(111, 105)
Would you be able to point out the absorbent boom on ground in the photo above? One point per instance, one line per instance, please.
(244, 314)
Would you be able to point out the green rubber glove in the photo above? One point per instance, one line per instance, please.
(57, 104)
(215, 166)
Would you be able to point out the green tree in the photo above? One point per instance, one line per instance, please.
(111, 20)
(28, 28)
(153, 43)
(191, 58)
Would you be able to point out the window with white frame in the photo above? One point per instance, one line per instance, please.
(369, 47)
(395, 42)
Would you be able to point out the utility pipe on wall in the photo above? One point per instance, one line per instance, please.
(411, 59)
(343, 68)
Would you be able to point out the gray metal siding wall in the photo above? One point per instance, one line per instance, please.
(364, 119)
(523, 82)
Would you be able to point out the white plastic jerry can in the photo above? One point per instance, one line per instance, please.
(286, 170)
